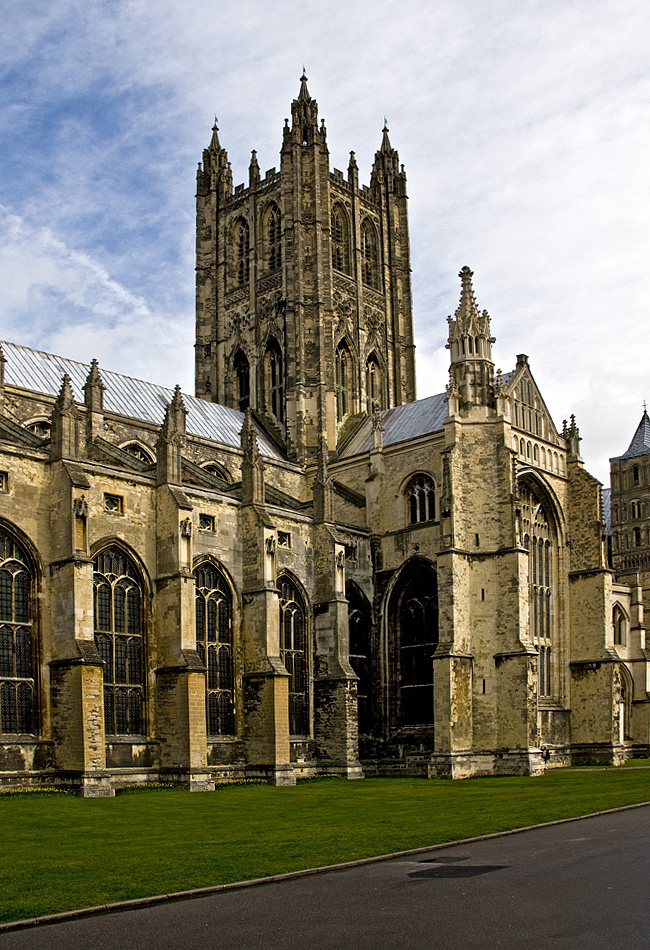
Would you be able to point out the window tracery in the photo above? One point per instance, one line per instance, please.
(373, 384)
(274, 238)
(274, 382)
(119, 635)
(214, 645)
(539, 541)
(17, 638)
(293, 652)
(242, 252)
(418, 636)
(359, 623)
(343, 368)
(340, 240)
(242, 375)
(369, 257)
(421, 499)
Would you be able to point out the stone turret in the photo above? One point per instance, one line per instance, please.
(470, 342)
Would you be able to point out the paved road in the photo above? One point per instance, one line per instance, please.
(578, 885)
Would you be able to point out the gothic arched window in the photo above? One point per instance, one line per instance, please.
(17, 638)
(416, 615)
(359, 622)
(119, 635)
(273, 229)
(274, 379)
(373, 384)
(293, 652)
(138, 452)
(214, 644)
(242, 374)
(369, 259)
(343, 367)
(619, 622)
(421, 497)
(541, 544)
(340, 240)
(242, 249)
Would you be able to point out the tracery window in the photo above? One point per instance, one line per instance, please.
(421, 497)
(17, 638)
(119, 635)
(539, 541)
(242, 374)
(373, 384)
(417, 614)
(214, 644)
(340, 240)
(343, 368)
(369, 259)
(359, 622)
(274, 237)
(42, 428)
(138, 452)
(274, 381)
(242, 249)
(293, 652)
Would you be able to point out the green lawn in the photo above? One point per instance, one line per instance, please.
(59, 852)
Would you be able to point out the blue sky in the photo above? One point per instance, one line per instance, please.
(522, 125)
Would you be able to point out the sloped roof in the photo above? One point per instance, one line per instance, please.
(42, 373)
(640, 444)
(401, 424)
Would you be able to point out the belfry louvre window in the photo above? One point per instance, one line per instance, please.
(274, 237)
(373, 384)
(119, 635)
(421, 496)
(242, 249)
(369, 262)
(17, 639)
(214, 644)
(242, 374)
(340, 241)
(293, 652)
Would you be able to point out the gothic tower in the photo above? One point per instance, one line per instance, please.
(303, 300)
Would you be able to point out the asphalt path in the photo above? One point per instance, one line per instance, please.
(582, 884)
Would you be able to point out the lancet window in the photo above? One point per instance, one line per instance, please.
(242, 377)
(119, 635)
(293, 652)
(17, 638)
(340, 240)
(274, 237)
(539, 540)
(274, 381)
(242, 249)
(343, 368)
(369, 259)
(214, 645)
(373, 384)
(619, 622)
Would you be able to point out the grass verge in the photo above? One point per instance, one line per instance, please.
(60, 852)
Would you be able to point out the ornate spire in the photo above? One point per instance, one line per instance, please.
(94, 388)
(215, 145)
(65, 399)
(303, 95)
(470, 345)
(468, 322)
(385, 141)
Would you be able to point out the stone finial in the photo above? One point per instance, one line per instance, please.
(94, 388)
(253, 170)
(64, 443)
(65, 399)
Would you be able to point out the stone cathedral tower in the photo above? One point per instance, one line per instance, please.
(303, 287)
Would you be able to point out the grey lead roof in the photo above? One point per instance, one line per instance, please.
(640, 444)
(42, 373)
(400, 424)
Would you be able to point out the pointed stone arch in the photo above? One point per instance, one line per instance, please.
(369, 254)
(340, 238)
(272, 237)
(215, 604)
(412, 633)
(20, 643)
(273, 379)
(361, 653)
(295, 651)
(242, 374)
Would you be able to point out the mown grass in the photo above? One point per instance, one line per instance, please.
(60, 852)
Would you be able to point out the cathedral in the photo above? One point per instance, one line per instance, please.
(302, 569)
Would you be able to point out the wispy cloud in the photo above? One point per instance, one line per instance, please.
(522, 126)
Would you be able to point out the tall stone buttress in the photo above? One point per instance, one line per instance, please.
(303, 287)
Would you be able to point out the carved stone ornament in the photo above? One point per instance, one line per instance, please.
(269, 544)
(80, 507)
(340, 560)
(186, 528)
